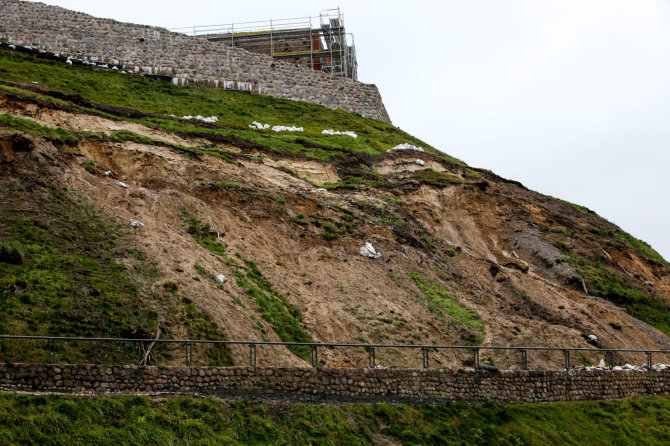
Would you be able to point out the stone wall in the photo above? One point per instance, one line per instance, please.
(152, 50)
(407, 384)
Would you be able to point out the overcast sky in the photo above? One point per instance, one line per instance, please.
(570, 97)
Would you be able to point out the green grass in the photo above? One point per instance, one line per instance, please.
(473, 174)
(284, 318)
(60, 137)
(354, 178)
(206, 236)
(76, 284)
(225, 185)
(207, 275)
(55, 135)
(80, 275)
(641, 246)
(235, 110)
(12, 252)
(437, 179)
(134, 420)
(438, 295)
(392, 220)
(607, 283)
(299, 219)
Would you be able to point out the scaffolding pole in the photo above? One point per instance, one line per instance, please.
(287, 39)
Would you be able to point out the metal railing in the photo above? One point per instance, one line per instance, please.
(51, 348)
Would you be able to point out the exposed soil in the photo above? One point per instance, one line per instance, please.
(474, 243)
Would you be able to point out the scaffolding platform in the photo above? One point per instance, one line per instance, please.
(320, 42)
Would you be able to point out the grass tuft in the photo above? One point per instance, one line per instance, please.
(437, 179)
(12, 252)
(435, 293)
(55, 135)
(284, 318)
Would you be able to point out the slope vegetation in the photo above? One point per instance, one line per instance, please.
(467, 257)
(138, 420)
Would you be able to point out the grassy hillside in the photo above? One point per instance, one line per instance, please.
(68, 270)
(235, 110)
(56, 420)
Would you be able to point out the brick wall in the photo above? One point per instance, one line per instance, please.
(431, 384)
(158, 51)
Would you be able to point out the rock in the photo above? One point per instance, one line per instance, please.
(221, 278)
(420, 162)
(122, 184)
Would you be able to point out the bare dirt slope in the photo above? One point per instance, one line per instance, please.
(486, 250)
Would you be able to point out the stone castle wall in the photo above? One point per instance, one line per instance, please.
(368, 383)
(154, 50)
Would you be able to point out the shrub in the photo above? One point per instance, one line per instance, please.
(170, 286)
(226, 186)
(89, 166)
(469, 173)
(299, 219)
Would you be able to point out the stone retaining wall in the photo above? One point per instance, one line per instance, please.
(153, 50)
(424, 384)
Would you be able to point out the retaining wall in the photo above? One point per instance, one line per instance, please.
(153, 50)
(423, 384)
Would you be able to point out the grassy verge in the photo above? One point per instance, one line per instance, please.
(57, 420)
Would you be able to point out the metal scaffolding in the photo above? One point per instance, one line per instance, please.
(321, 43)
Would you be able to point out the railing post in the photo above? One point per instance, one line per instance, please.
(524, 359)
(373, 360)
(51, 351)
(567, 360)
(123, 353)
(649, 361)
(252, 355)
(475, 355)
(425, 358)
(314, 355)
(188, 346)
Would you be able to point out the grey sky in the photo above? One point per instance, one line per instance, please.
(570, 97)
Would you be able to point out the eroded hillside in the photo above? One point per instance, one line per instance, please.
(467, 257)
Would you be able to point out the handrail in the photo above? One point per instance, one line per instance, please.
(332, 344)
(425, 348)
